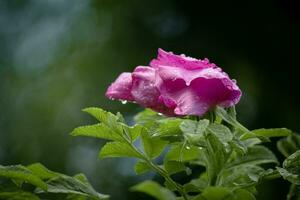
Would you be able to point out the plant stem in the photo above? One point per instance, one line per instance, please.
(158, 169)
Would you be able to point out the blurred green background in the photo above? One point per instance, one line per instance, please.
(59, 56)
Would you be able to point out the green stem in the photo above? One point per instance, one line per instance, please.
(159, 170)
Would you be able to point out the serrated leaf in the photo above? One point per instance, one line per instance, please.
(173, 167)
(41, 171)
(196, 185)
(117, 149)
(98, 131)
(229, 118)
(214, 193)
(21, 173)
(72, 185)
(224, 193)
(242, 194)
(222, 132)
(168, 127)
(215, 156)
(105, 117)
(241, 176)
(194, 127)
(267, 133)
(146, 116)
(256, 155)
(289, 145)
(238, 146)
(183, 154)
(141, 167)
(134, 131)
(291, 168)
(155, 190)
(18, 195)
(153, 146)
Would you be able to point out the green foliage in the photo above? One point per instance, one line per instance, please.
(289, 145)
(291, 168)
(155, 190)
(265, 134)
(232, 156)
(117, 149)
(45, 182)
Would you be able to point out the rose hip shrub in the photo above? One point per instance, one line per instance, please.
(190, 125)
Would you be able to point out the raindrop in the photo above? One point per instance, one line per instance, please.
(187, 147)
(124, 102)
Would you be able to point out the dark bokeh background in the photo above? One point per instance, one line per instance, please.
(58, 56)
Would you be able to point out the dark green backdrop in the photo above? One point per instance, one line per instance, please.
(58, 56)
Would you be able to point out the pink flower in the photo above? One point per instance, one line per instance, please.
(177, 85)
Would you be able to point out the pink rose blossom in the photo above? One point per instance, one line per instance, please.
(177, 85)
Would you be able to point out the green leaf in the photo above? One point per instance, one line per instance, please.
(135, 131)
(224, 193)
(181, 153)
(98, 131)
(238, 146)
(193, 131)
(18, 195)
(20, 173)
(291, 168)
(214, 193)
(229, 118)
(117, 149)
(194, 127)
(242, 194)
(153, 146)
(215, 156)
(155, 190)
(77, 185)
(256, 155)
(222, 132)
(196, 185)
(267, 133)
(241, 176)
(141, 167)
(109, 119)
(173, 167)
(168, 127)
(41, 171)
(147, 115)
(289, 145)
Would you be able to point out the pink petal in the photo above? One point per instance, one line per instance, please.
(196, 93)
(169, 59)
(144, 90)
(121, 88)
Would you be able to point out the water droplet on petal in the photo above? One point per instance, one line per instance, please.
(123, 101)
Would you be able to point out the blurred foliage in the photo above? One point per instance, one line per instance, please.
(57, 57)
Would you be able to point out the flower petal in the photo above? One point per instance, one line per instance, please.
(121, 88)
(169, 59)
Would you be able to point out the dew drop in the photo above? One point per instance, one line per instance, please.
(124, 102)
